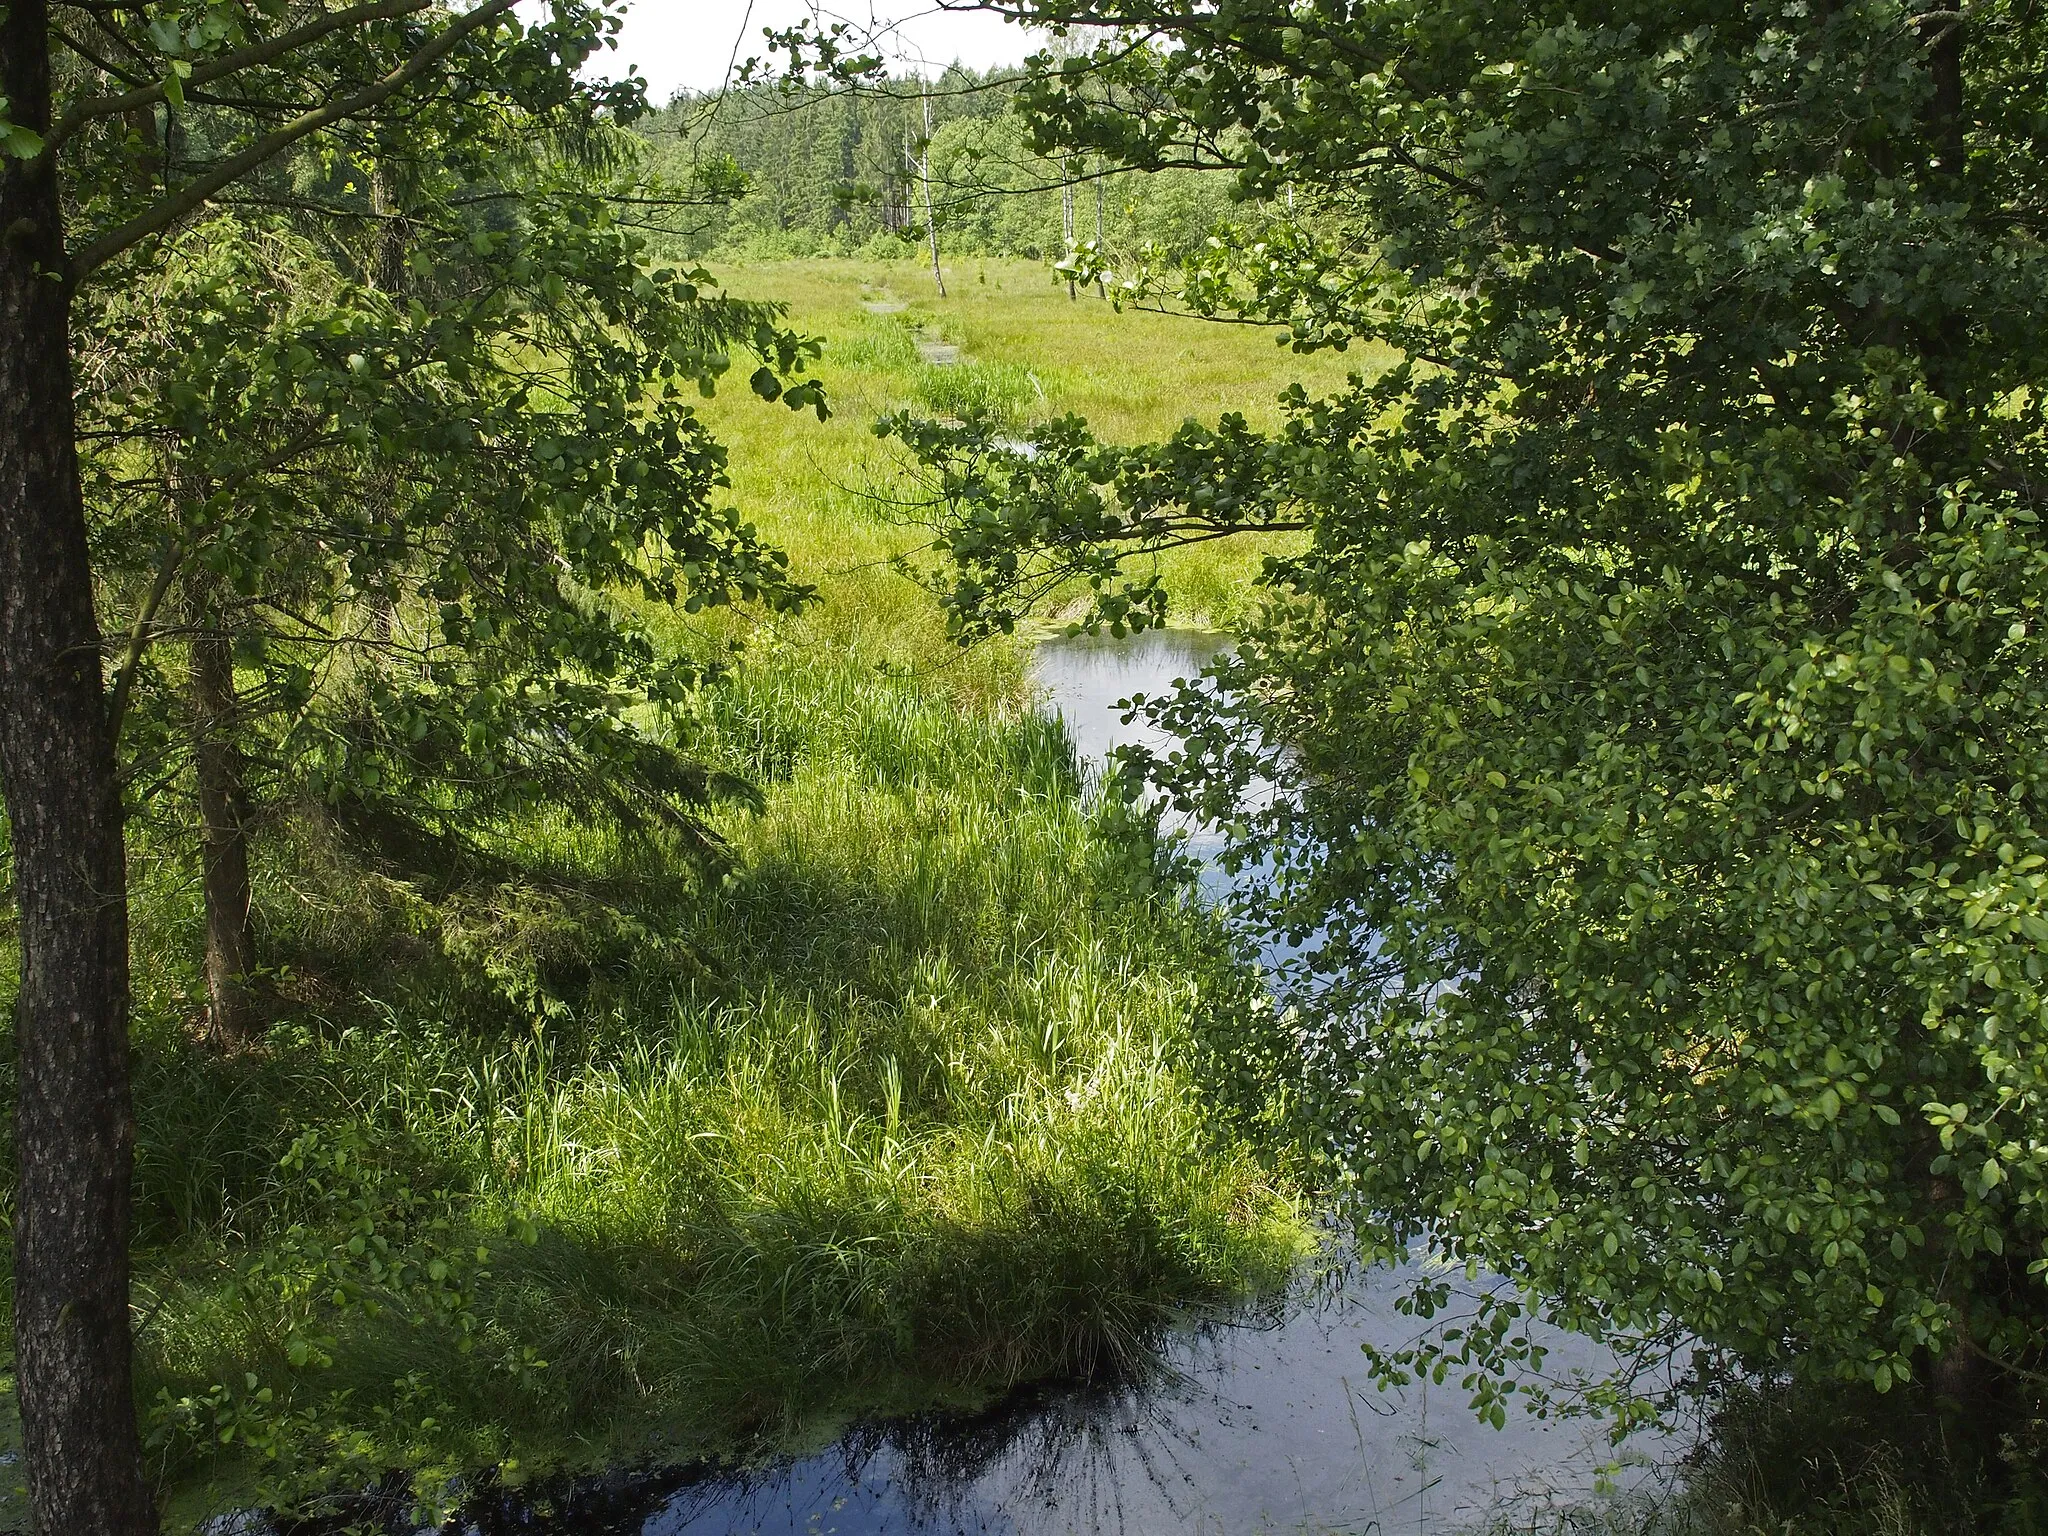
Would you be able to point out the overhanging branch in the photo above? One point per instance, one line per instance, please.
(170, 209)
(255, 54)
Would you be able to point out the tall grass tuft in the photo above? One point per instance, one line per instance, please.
(1001, 391)
(595, 1149)
(914, 1123)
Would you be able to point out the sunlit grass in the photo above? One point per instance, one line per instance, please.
(892, 1106)
(1026, 349)
(920, 1126)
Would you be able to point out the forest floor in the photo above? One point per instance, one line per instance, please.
(602, 1150)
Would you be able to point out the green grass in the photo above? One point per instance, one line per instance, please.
(891, 1106)
(1003, 391)
(1028, 352)
(920, 1129)
(917, 1128)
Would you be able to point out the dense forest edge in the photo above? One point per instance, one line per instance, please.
(822, 172)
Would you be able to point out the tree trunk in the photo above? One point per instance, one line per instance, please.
(931, 218)
(388, 276)
(1101, 284)
(73, 1128)
(1067, 168)
(232, 1016)
(1945, 110)
(387, 269)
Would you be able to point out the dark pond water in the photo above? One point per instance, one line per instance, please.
(1267, 1423)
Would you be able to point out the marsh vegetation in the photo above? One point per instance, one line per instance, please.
(889, 1102)
(554, 923)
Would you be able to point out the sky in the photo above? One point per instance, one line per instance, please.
(680, 44)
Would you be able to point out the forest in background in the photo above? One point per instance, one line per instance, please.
(801, 171)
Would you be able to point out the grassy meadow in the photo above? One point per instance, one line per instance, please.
(601, 1146)
(1025, 351)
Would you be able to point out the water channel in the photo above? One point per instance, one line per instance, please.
(1266, 1423)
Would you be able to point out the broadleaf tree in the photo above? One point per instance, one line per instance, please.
(402, 524)
(121, 129)
(1656, 711)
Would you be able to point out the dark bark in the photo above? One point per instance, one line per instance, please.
(1946, 108)
(232, 1013)
(73, 1129)
(387, 274)
(394, 233)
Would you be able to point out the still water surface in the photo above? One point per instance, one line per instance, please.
(1266, 1423)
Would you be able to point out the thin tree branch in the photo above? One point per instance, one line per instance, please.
(227, 64)
(172, 557)
(171, 209)
(105, 66)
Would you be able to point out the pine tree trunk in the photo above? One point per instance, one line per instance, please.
(232, 1016)
(73, 1127)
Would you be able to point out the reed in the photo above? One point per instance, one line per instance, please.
(892, 1105)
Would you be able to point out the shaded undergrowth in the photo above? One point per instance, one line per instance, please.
(1816, 1459)
(891, 1109)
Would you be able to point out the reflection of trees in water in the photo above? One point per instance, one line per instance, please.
(1084, 1448)
(1081, 1448)
(1075, 1447)
(1169, 1438)
(612, 1503)
(619, 1501)
(1122, 1449)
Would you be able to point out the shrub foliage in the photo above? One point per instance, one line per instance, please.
(1657, 708)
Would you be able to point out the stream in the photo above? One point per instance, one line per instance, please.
(1265, 1423)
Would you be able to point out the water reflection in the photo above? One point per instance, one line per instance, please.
(1090, 681)
(1086, 680)
(1264, 1423)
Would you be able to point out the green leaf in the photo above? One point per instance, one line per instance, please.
(17, 141)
